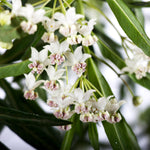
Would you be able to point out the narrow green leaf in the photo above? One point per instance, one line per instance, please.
(93, 136)
(13, 116)
(14, 69)
(110, 54)
(67, 141)
(120, 134)
(139, 4)
(130, 24)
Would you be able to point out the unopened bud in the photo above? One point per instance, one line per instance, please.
(137, 100)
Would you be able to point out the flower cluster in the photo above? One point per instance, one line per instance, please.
(57, 59)
(139, 63)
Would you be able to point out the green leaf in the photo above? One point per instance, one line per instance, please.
(13, 116)
(14, 69)
(130, 25)
(8, 33)
(120, 134)
(110, 54)
(67, 141)
(93, 135)
(139, 4)
(145, 82)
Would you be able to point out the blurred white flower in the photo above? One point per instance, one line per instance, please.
(112, 105)
(86, 30)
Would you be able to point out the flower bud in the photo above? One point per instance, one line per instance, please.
(137, 100)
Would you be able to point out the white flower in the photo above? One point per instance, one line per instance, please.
(112, 106)
(68, 21)
(50, 25)
(80, 97)
(57, 52)
(39, 59)
(33, 17)
(31, 83)
(86, 30)
(137, 65)
(77, 60)
(53, 74)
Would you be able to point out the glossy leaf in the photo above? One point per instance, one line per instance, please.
(110, 54)
(120, 134)
(13, 116)
(14, 69)
(67, 141)
(130, 25)
(93, 135)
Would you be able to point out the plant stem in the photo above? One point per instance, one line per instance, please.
(62, 7)
(54, 6)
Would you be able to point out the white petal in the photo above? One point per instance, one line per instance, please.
(34, 55)
(16, 4)
(36, 84)
(60, 17)
(88, 94)
(50, 72)
(78, 53)
(70, 59)
(84, 57)
(30, 80)
(64, 46)
(38, 16)
(43, 55)
(102, 103)
(59, 73)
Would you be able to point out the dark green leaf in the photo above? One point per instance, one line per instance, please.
(130, 24)
(14, 69)
(13, 116)
(139, 4)
(93, 135)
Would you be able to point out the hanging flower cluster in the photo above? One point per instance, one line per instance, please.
(138, 63)
(57, 59)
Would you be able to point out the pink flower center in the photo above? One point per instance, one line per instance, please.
(36, 67)
(57, 59)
